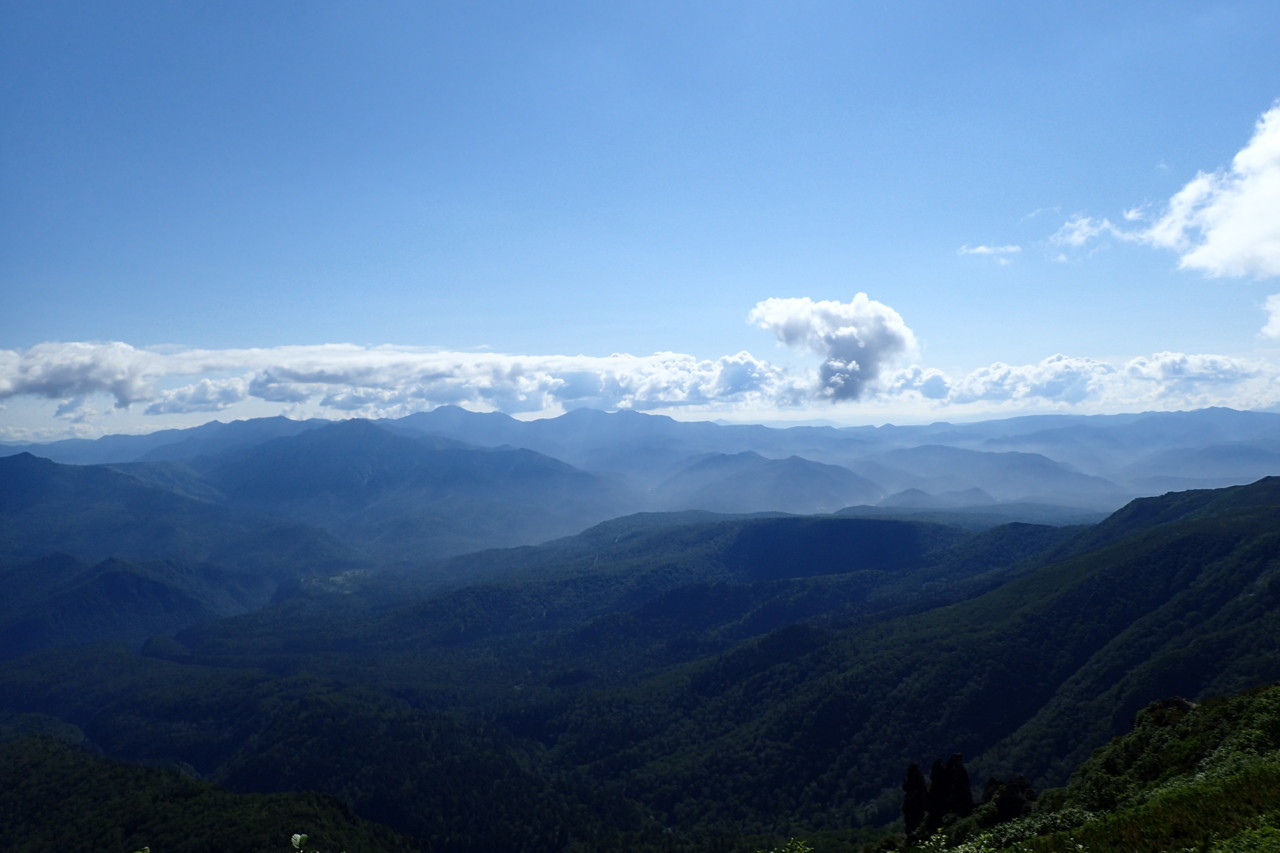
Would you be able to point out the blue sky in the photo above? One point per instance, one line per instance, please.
(237, 209)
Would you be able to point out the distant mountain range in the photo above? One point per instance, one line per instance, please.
(625, 632)
(1094, 462)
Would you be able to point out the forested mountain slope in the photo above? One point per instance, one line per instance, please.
(1187, 777)
(661, 681)
(90, 553)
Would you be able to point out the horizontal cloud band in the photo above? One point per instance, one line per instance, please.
(366, 379)
(392, 381)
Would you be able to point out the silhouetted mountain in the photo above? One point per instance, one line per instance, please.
(1102, 444)
(95, 513)
(167, 444)
(412, 498)
(220, 437)
(1136, 453)
(917, 499)
(483, 429)
(89, 553)
(1007, 476)
(1207, 467)
(748, 482)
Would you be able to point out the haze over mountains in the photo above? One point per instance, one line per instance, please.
(642, 634)
(1065, 458)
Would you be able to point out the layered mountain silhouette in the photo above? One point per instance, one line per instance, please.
(1086, 462)
(736, 631)
(748, 482)
(400, 497)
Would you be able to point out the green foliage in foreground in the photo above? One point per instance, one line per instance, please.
(55, 796)
(793, 845)
(1202, 779)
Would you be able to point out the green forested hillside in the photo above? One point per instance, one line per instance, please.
(96, 513)
(1187, 777)
(91, 553)
(694, 682)
(55, 796)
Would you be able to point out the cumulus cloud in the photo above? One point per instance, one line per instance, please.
(856, 340)
(1227, 223)
(1057, 378)
(63, 371)
(1221, 223)
(1171, 370)
(387, 381)
(207, 395)
(859, 344)
(1164, 380)
(927, 382)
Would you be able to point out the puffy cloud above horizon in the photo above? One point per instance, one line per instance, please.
(386, 380)
(207, 395)
(1221, 223)
(64, 371)
(1057, 378)
(857, 340)
(1227, 223)
(1165, 380)
(347, 380)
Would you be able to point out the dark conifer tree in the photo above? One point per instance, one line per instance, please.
(915, 800)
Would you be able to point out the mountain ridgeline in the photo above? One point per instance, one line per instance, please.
(622, 632)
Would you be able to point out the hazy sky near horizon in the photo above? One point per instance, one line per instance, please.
(850, 211)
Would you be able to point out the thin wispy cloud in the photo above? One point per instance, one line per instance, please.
(1001, 254)
(1080, 230)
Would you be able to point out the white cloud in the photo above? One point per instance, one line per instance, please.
(999, 253)
(1058, 378)
(61, 371)
(1171, 370)
(1080, 230)
(859, 343)
(927, 382)
(387, 381)
(207, 395)
(1164, 380)
(1272, 306)
(857, 340)
(1227, 223)
(1222, 223)
(988, 250)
